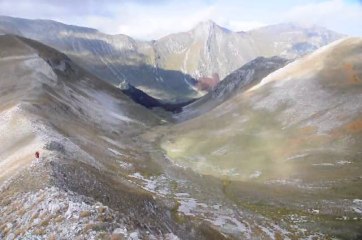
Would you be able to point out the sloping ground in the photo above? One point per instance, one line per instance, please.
(245, 77)
(87, 134)
(99, 179)
(289, 146)
(18, 152)
(117, 59)
(15, 126)
(168, 69)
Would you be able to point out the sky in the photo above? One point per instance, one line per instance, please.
(153, 19)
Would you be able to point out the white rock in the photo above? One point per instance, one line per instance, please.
(11, 236)
(36, 221)
(120, 231)
(134, 236)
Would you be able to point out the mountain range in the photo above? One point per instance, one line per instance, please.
(176, 68)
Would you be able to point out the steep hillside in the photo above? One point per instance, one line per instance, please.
(116, 59)
(245, 77)
(178, 67)
(205, 50)
(88, 182)
(289, 147)
(210, 49)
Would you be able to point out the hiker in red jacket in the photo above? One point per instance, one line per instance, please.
(37, 155)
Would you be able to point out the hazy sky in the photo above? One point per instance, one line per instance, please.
(147, 19)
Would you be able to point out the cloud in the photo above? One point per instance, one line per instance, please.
(153, 22)
(237, 25)
(338, 15)
(141, 19)
(144, 19)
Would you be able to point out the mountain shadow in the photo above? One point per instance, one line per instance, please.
(147, 101)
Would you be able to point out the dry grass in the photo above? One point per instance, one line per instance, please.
(88, 227)
(52, 237)
(351, 75)
(20, 232)
(45, 222)
(355, 126)
(39, 231)
(6, 231)
(102, 209)
(84, 214)
(103, 236)
(6, 202)
(35, 215)
(98, 227)
(102, 218)
(308, 130)
(59, 219)
(2, 227)
(117, 237)
(21, 212)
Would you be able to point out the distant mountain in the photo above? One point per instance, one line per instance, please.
(208, 48)
(178, 67)
(245, 77)
(290, 40)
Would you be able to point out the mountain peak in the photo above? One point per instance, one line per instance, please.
(208, 26)
(208, 22)
(292, 26)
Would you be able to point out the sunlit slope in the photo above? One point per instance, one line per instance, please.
(44, 97)
(18, 140)
(243, 78)
(301, 123)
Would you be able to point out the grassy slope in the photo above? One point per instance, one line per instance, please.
(288, 145)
